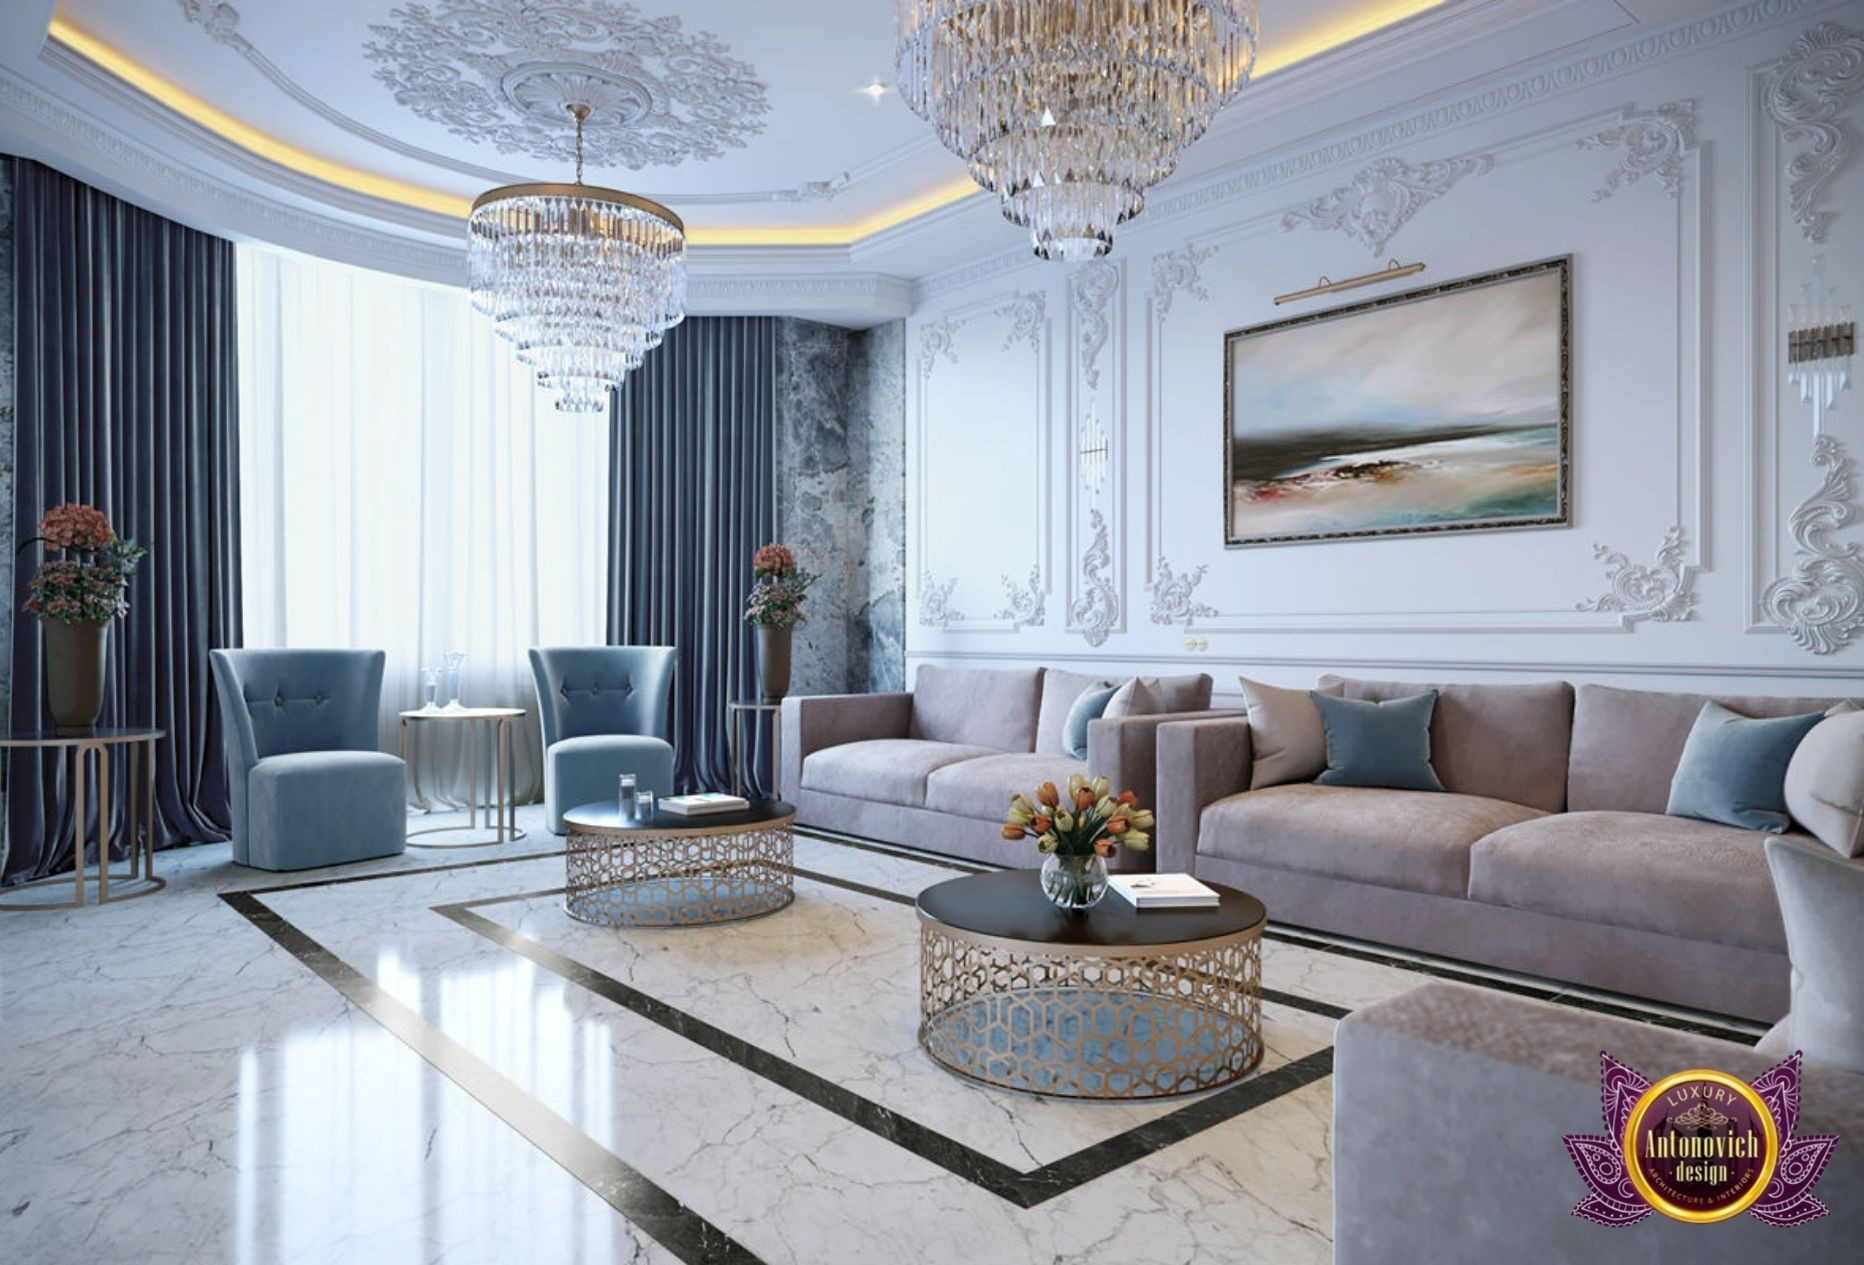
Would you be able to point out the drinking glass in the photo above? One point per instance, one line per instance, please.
(630, 797)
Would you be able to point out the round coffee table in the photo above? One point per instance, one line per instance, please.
(674, 871)
(1110, 1003)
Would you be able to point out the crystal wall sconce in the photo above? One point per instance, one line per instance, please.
(1820, 339)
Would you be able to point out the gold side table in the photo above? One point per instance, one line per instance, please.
(674, 871)
(502, 813)
(1105, 1003)
(138, 746)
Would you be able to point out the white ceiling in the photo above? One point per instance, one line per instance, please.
(750, 120)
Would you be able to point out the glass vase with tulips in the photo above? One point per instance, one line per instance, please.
(1078, 830)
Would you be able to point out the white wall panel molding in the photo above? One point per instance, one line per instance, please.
(1648, 143)
(1821, 601)
(1663, 590)
(1806, 96)
(1097, 486)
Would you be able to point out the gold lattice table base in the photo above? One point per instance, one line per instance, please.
(1078, 1021)
(679, 878)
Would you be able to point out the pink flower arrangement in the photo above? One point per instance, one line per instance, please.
(776, 598)
(75, 527)
(82, 590)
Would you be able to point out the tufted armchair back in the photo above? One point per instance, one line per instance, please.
(279, 702)
(584, 691)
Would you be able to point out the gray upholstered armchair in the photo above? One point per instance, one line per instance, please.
(604, 713)
(309, 786)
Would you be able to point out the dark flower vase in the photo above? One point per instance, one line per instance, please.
(773, 662)
(74, 673)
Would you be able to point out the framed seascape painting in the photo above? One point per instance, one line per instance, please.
(1441, 409)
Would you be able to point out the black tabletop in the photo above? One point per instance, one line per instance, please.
(605, 816)
(1011, 905)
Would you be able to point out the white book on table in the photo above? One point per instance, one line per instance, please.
(1162, 891)
(700, 805)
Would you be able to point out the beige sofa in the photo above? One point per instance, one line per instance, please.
(1550, 852)
(935, 768)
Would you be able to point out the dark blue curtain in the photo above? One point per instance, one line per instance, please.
(692, 461)
(127, 400)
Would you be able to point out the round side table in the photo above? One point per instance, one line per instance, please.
(501, 814)
(1108, 1003)
(673, 871)
(138, 745)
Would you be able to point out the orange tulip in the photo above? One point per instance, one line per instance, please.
(1126, 798)
(1041, 825)
(1013, 831)
(1083, 799)
(1104, 847)
(1047, 794)
(1117, 826)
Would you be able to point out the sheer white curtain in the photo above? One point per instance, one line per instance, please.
(405, 486)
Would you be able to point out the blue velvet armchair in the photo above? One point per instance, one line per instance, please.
(604, 713)
(309, 786)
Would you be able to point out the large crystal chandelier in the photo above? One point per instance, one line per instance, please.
(583, 280)
(1069, 110)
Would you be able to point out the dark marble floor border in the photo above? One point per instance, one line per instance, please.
(1023, 1188)
(646, 1205)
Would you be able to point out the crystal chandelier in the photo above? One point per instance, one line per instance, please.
(584, 281)
(1069, 110)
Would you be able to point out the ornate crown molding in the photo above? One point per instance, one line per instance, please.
(1174, 597)
(1176, 270)
(1383, 197)
(1650, 142)
(1090, 289)
(935, 608)
(1663, 591)
(1095, 613)
(1027, 310)
(1027, 605)
(1804, 95)
(220, 22)
(1821, 603)
(501, 72)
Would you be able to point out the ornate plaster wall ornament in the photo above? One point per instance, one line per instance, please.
(1383, 197)
(1649, 143)
(1664, 591)
(1804, 95)
(1174, 597)
(1175, 270)
(1028, 607)
(501, 72)
(1090, 290)
(1027, 312)
(935, 338)
(1095, 612)
(935, 609)
(1821, 603)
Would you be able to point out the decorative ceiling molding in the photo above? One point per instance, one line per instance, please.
(502, 72)
(1028, 607)
(1821, 603)
(1175, 270)
(1804, 95)
(1383, 197)
(1663, 591)
(1174, 597)
(1650, 142)
(1096, 612)
(1027, 310)
(220, 22)
(1090, 288)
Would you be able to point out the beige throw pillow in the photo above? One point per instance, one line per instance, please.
(1284, 727)
(1825, 782)
(1136, 698)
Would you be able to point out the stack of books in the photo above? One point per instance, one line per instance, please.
(703, 805)
(1163, 891)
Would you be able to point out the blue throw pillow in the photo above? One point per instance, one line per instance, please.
(1733, 768)
(1091, 702)
(1378, 744)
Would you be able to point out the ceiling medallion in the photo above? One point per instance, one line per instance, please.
(584, 281)
(501, 72)
(1069, 110)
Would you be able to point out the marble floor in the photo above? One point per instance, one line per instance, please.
(424, 1059)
